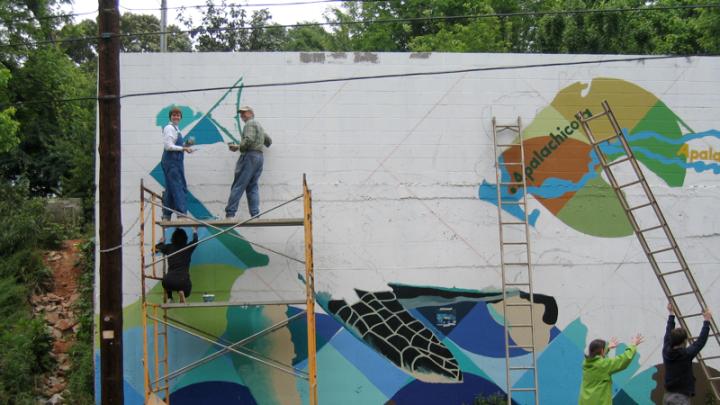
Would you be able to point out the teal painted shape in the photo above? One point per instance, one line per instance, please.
(205, 132)
(219, 369)
(641, 386)
(560, 367)
(188, 116)
(621, 378)
(340, 382)
(465, 363)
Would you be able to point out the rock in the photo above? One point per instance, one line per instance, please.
(52, 317)
(54, 256)
(55, 400)
(61, 346)
(65, 324)
(57, 334)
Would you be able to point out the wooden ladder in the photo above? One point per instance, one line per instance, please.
(652, 230)
(515, 265)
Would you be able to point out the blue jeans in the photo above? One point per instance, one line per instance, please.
(674, 398)
(247, 173)
(175, 194)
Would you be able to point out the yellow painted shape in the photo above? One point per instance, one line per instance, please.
(628, 101)
(547, 121)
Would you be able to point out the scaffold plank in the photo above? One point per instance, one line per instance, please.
(233, 222)
(230, 303)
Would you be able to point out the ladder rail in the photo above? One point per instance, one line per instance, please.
(672, 246)
(507, 324)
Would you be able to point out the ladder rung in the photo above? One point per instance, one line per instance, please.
(521, 368)
(512, 203)
(641, 206)
(632, 183)
(511, 163)
(514, 243)
(522, 347)
(502, 145)
(520, 325)
(713, 378)
(681, 294)
(516, 284)
(513, 127)
(594, 116)
(652, 228)
(519, 304)
(691, 315)
(511, 183)
(153, 277)
(616, 162)
(516, 263)
(512, 223)
(672, 272)
(523, 390)
(663, 250)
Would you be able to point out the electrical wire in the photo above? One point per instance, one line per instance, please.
(293, 3)
(51, 17)
(357, 78)
(373, 21)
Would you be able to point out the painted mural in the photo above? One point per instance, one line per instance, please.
(391, 339)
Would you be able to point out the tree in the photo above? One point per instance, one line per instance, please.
(226, 28)
(307, 39)
(54, 136)
(8, 126)
(177, 41)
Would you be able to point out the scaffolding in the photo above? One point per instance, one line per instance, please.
(156, 372)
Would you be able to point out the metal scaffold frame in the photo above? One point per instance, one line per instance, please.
(156, 373)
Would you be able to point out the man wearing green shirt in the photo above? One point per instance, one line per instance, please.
(249, 165)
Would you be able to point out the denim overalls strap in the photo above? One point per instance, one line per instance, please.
(175, 155)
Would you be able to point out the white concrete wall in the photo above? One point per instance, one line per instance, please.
(395, 165)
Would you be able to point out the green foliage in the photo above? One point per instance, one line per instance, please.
(681, 31)
(22, 219)
(308, 39)
(24, 354)
(8, 126)
(494, 399)
(226, 28)
(82, 374)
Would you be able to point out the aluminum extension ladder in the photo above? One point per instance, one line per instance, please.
(647, 220)
(515, 262)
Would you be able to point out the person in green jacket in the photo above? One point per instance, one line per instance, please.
(598, 369)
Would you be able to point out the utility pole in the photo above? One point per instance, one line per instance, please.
(163, 25)
(109, 220)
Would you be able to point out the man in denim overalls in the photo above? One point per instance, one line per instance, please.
(173, 167)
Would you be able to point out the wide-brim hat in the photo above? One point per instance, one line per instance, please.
(245, 108)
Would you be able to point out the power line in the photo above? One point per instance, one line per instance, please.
(51, 17)
(386, 21)
(368, 77)
(294, 3)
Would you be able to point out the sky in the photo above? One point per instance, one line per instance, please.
(281, 14)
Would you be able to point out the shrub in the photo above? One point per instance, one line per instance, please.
(82, 376)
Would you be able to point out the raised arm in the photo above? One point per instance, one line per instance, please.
(698, 344)
(619, 363)
(670, 325)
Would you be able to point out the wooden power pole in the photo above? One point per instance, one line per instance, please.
(109, 220)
